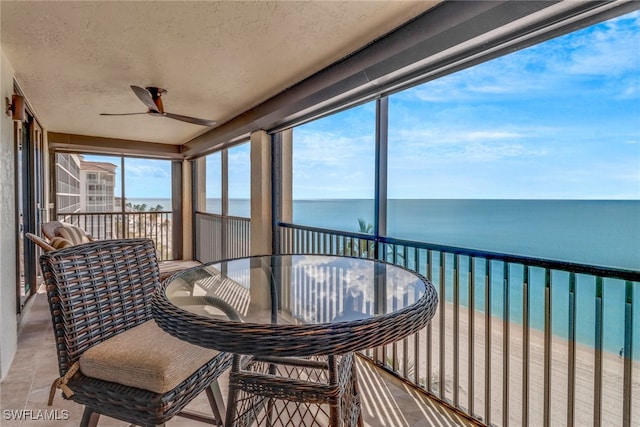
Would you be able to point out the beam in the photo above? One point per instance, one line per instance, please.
(94, 144)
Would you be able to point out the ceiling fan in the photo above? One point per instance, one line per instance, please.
(152, 98)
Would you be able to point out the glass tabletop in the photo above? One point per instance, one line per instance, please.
(294, 305)
(295, 289)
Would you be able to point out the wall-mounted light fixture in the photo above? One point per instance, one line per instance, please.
(15, 107)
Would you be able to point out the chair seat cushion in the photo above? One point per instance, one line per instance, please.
(72, 233)
(145, 357)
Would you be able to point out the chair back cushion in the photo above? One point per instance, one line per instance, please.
(98, 290)
(60, 242)
(75, 235)
(49, 228)
(145, 357)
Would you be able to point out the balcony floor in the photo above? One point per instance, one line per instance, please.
(387, 401)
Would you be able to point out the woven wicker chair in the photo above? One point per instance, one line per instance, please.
(167, 268)
(99, 293)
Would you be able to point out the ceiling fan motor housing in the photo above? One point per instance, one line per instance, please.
(156, 94)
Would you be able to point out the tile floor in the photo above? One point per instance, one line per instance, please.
(386, 401)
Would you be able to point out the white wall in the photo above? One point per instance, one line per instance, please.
(8, 323)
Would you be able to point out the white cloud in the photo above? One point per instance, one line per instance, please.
(142, 170)
(331, 149)
(414, 145)
(333, 164)
(485, 152)
(609, 49)
(488, 135)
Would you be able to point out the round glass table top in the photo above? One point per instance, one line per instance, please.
(281, 297)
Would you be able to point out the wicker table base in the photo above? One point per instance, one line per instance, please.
(279, 392)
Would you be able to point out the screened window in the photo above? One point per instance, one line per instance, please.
(213, 184)
(89, 194)
(334, 169)
(239, 158)
(147, 184)
(535, 153)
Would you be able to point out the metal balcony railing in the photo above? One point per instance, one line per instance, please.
(221, 237)
(117, 225)
(516, 341)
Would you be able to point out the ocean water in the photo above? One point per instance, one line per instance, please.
(595, 232)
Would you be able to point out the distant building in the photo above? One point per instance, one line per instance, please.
(68, 183)
(97, 183)
(86, 187)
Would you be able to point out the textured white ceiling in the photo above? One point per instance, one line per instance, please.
(75, 60)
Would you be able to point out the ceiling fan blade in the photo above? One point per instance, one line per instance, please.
(145, 96)
(195, 121)
(122, 114)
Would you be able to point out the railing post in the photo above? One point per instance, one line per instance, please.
(628, 354)
(571, 374)
(526, 315)
(471, 282)
(487, 342)
(546, 415)
(505, 344)
(597, 374)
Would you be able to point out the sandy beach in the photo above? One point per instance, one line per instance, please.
(612, 373)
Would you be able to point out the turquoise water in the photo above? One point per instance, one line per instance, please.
(595, 232)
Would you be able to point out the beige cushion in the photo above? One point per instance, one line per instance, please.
(145, 357)
(60, 242)
(72, 233)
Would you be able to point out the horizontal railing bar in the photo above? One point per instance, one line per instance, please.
(341, 233)
(111, 213)
(571, 267)
(215, 215)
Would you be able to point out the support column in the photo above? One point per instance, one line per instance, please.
(286, 192)
(177, 207)
(282, 188)
(199, 177)
(261, 232)
(188, 208)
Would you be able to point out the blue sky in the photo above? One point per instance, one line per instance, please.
(560, 120)
(145, 178)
